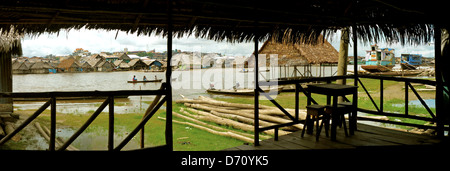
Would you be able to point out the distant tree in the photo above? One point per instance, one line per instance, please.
(141, 54)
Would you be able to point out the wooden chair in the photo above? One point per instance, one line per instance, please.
(342, 109)
(316, 113)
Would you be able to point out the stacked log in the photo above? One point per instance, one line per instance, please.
(237, 116)
(45, 132)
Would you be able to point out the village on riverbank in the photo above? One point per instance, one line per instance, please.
(83, 61)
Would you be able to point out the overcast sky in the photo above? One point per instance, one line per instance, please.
(97, 41)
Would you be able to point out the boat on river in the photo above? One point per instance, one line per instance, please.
(379, 59)
(146, 81)
(410, 61)
(244, 91)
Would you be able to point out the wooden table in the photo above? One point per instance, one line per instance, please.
(336, 90)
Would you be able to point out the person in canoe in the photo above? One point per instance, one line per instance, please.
(145, 78)
(134, 78)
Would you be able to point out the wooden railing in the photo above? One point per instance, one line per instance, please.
(109, 101)
(379, 109)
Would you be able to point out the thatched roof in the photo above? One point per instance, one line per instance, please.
(68, 63)
(231, 20)
(41, 65)
(10, 41)
(300, 53)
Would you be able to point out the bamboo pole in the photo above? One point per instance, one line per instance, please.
(248, 115)
(227, 122)
(211, 126)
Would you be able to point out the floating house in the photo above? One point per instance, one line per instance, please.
(121, 65)
(41, 68)
(19, 67)
(137, 64)
(104, 66)
(155, 65)
(69, 65)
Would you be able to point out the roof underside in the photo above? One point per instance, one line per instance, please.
(230, 20)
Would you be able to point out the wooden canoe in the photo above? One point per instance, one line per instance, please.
(244, 92)
(377, 68)
(147, 81)
(407, 66)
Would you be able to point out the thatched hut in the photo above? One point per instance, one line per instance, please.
(300, 56)
(86, 67)
(137, 64)
(300, 53)
(19, 67)
(105, 66)
(40, 67)
(121, 65)
(69, 65)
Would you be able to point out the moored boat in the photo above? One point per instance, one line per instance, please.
(379, 60)
(410, 61)
(245, 91)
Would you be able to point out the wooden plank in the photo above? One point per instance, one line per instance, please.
(393, 132)
(392, 136)
(366, 135)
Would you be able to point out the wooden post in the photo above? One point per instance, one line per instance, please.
(355, 69)
(169, 132)
(6, 103)
(406, 97)
(343, 55)
(111, 124)
(256, 109)
(52, 124)
(439, 81)
(381, 95)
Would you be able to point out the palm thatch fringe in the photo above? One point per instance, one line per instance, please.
(10, 41)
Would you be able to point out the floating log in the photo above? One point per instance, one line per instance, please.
(9, 128)
(45, 132)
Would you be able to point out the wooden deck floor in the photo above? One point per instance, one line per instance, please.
(365, 136)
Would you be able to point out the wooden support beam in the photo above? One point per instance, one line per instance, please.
(6, 103)
(111, 124)
(85, 125)
(256, 99)
(169, 128)
(52, 146)
(25, 123)
(143, 122)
